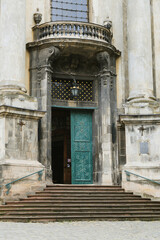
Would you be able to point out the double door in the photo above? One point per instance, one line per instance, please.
(72, 147)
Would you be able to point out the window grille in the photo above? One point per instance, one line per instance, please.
(69, 10)
(61, 89)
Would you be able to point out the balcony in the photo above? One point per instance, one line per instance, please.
(85, 36)
(72, 30)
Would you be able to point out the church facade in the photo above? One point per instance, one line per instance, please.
(79, 94)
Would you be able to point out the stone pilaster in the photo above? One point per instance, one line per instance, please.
(41, 75)
(106, 117)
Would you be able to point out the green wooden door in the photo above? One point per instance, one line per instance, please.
(81, 147)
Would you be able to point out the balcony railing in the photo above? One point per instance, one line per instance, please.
(72, 30)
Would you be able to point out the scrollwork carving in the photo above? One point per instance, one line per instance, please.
(103, 59)
(75, 64)
(48, 55)
(53, 54)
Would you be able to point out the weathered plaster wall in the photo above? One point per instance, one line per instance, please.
(31, 8)
(43, 7)
(135, 138)
(19, 140)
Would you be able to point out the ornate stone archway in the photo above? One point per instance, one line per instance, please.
(97, 63)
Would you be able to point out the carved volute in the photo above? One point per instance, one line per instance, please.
(47, 55)
(103, 59)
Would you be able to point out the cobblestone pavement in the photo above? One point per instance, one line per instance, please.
(81, 230)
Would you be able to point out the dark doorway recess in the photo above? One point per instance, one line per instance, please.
(61, 146)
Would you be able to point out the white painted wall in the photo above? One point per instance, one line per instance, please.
(31, 8)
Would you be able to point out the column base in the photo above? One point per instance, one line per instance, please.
(12, 170)
(142, 153)
(19, 145)
(142, 106)
(18, 99)
(12, 86)
(141, 96)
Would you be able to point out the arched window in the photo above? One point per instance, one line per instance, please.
(69, 10)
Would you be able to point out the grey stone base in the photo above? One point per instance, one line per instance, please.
(12, 170)
(142, 186)
(19, 145)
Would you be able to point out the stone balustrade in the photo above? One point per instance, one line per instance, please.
(72, 30)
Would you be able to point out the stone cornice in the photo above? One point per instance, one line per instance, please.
(8, 111)
(140, 119)
(91, 46)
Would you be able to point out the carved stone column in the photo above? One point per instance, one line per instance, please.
(19, 113)
(13, 40)
(141, 118)
(41, 75)
(106, 117)
(140, 51)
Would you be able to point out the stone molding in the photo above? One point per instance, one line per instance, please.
(139, 119)
(9, 111)
(12, 86)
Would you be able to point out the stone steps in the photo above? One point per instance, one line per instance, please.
(100, 201)
(84, 195)
(77, 212)
(80, 202)
(75, 209)
(80, 198)
(79, 217)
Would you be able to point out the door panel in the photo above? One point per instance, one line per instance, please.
(67, 157)
(81, 147)
(61, 146)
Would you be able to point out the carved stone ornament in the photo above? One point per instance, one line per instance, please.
(104, 60)
(48, 55)
(76, 64)
(37, 17)
(108, 24)
(53, 54)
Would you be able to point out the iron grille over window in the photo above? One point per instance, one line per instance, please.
(70, 10)
(61, 89)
